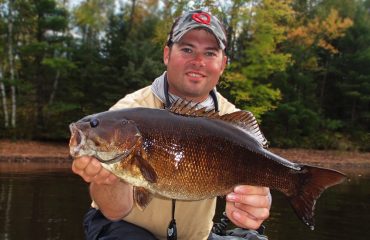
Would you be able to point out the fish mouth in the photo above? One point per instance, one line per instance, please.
(77, 140)
(115, 159)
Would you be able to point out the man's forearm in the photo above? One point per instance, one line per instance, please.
(114, 200)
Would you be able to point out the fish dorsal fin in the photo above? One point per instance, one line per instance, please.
(242, 119)
(247, 122)
(191, 109)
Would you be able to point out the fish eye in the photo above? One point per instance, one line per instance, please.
(94, 122)
(124, 122)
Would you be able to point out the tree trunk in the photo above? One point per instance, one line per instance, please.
(3, 99)
(323, 85)
(11, 64)
(232, 28)
(132, 16)
(353, 111)
(55, 87)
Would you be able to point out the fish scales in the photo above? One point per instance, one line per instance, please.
(179, 160)
(183, 154)
(205, 163)
(191, 163)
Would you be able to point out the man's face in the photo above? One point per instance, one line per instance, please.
(194, 65)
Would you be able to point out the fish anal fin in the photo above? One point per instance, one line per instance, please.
(142, 197)
(146, 169)
(315, 181)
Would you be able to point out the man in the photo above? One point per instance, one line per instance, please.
(195, 59)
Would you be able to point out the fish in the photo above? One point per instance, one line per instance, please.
(191, 153)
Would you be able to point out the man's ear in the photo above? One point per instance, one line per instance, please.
(224, 64)
(166, 54)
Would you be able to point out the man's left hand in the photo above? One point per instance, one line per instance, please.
(248, 206)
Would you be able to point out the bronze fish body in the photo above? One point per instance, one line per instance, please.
(188, 154)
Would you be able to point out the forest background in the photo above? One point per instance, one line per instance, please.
(301, 66)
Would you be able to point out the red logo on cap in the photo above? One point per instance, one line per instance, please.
(201, 17)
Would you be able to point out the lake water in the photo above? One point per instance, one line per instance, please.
(51, 205)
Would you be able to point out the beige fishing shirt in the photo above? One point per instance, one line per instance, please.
(193, 218)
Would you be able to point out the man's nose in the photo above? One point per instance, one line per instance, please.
(198, 60)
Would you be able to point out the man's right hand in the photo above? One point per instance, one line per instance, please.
(114, 197)
(91, 170)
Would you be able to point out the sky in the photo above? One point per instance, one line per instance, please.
(74, 3)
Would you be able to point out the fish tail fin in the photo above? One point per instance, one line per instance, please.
(315, 181)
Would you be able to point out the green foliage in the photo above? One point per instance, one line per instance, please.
(258, 99)
(59, 63)
(300, 66)
(261, 58)
(247, 78)
(296, 123)
(327, 83)
(132, 59)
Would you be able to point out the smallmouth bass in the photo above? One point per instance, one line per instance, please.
(192, 154)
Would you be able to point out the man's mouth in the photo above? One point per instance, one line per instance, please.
(195, 74)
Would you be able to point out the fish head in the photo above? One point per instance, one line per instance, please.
(104, 136)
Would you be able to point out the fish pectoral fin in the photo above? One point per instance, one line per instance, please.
(142, 197)
(146, 169)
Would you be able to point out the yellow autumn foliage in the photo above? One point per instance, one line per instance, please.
(320, 32)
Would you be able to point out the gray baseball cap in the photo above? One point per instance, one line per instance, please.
(197, 19)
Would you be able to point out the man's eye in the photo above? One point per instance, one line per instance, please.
(210, 54)
(186, 50)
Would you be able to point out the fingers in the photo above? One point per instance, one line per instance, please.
(258, 213)
(255, 190)
(91, 170)
(251, 195)
(248, 206)
(79, 164)
(257, 201)
(241, 218)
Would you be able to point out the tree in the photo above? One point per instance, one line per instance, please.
(350, 78)
(131, 56)
(2, 63)
(319, 34)
(7, 53)
(91, 16)
(38, 30)
(3, 98)
(312, 44)
(256, 54)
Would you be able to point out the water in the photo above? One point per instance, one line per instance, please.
(342, 212)
(51, 205)
(40, 206)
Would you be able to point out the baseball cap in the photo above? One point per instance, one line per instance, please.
(197, 19)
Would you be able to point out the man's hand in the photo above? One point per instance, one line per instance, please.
(248, 206)
(113, 196)
(91, 170)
